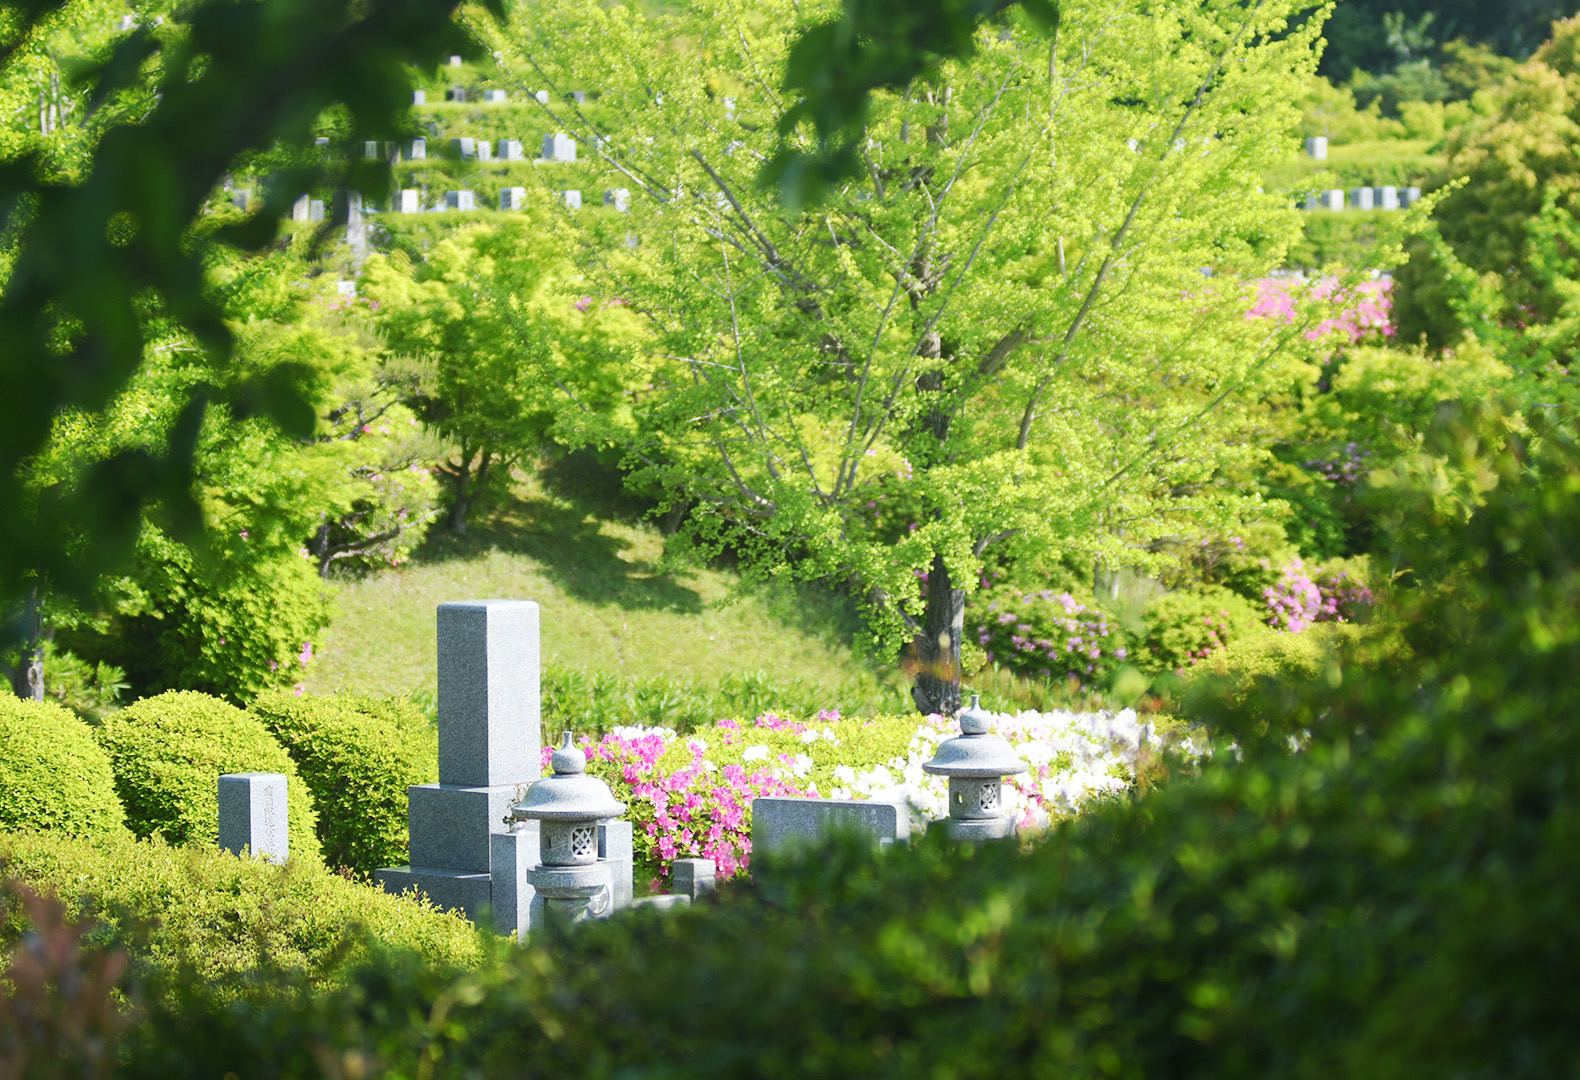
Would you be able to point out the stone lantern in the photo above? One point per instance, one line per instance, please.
(976, 762)
(568, 806)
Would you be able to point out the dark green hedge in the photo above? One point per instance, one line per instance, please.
(53, 774)
(1397, 899)
(168, 753)
(357, 755)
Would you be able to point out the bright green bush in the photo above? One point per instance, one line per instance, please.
(53, 774)
(357, 755)
(168, 753)
(223, 921)
(1186, 626)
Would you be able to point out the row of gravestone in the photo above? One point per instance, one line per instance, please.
(466, 852)
(558, 147)
(347, 208)
(1365, 198)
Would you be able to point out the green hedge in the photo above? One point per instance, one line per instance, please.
(357, 755)
(208, 917)
(168, 753)
(53, 775)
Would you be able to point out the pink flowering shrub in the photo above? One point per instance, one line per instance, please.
(1047, 635)
(1365, 312)
(1298, 600)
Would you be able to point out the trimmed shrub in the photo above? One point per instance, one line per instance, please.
(1187, 626)
(53, 775)
(357, 755)
(168, 753)
(223, 921)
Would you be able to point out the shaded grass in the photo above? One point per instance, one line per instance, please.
(585, 552)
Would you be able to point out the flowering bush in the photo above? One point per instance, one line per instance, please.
(1365, 313)
(1299, 600)
(1186, 626)
(691, 796)
(1048, 635)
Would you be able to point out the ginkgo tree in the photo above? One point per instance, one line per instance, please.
(1022, 329)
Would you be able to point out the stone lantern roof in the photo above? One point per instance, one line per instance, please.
(976, 752)
(568, 795)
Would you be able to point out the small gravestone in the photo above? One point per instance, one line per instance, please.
(485, 150)
(615, 847)
(418, 150)
(1387, 198)
(1410, 196)
(455, 93)
(510, 150)
(455, 61)
(559, 147)
(729, 108)
(1333, 199)
(300, 208)
(419, 97)
(1317, 148)
(315, 210)
(495, 97)
(408, 201)
(579, 97)
(459, 200)
(693, 877)
(252, 815)
(512, 198)
(1361, 198)
(372, 149)
(127, 22)
(619, 198)
(542, 97)
(465, 149)
(240, 197)
(573, 199)
(778, 821)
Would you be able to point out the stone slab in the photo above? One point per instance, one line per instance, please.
(456, 890)
(513, 855)
(450, 825)
(252, 815)
(615, 848)
(489, 727)
(778, 820)
(693, 877)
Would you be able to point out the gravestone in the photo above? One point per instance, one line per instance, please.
(485, 150)
(372, 149)
(693, 877)
(127, 22)
(778, 821)
(1317, 148)
(573, 199)
(619, 198)
(455, 93)
(455, 61)
(321, 142)
(512, 198)
(1410, 196)
(348, 214)
(418, 150)
(615, 847)
(1333, 199)
(489, 739)
(495, 97)
(300, 208)
(559, 147)
(579, 97)
(419, 97)
(240, 197)
(315, 210)
(465, 149)
(542, 97)
(252, 815)
(1361, 198)
(459, 200)
(1387, 198)
(408, 201)
(729, 108)
(510, 150)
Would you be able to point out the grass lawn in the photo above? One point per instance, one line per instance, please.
(568, 539)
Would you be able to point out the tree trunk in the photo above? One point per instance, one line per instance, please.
(936, 648)
(26, 673)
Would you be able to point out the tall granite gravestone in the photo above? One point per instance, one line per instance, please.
(348, 214)
(1317, 147)
(465, 149)
(1387, 198)
(1361, 198)
(252, 815)
(408, 201)
(510, 150)
(512, 198)
(1333, 199)
(489, 751)
(419, 97)
(559, 147)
